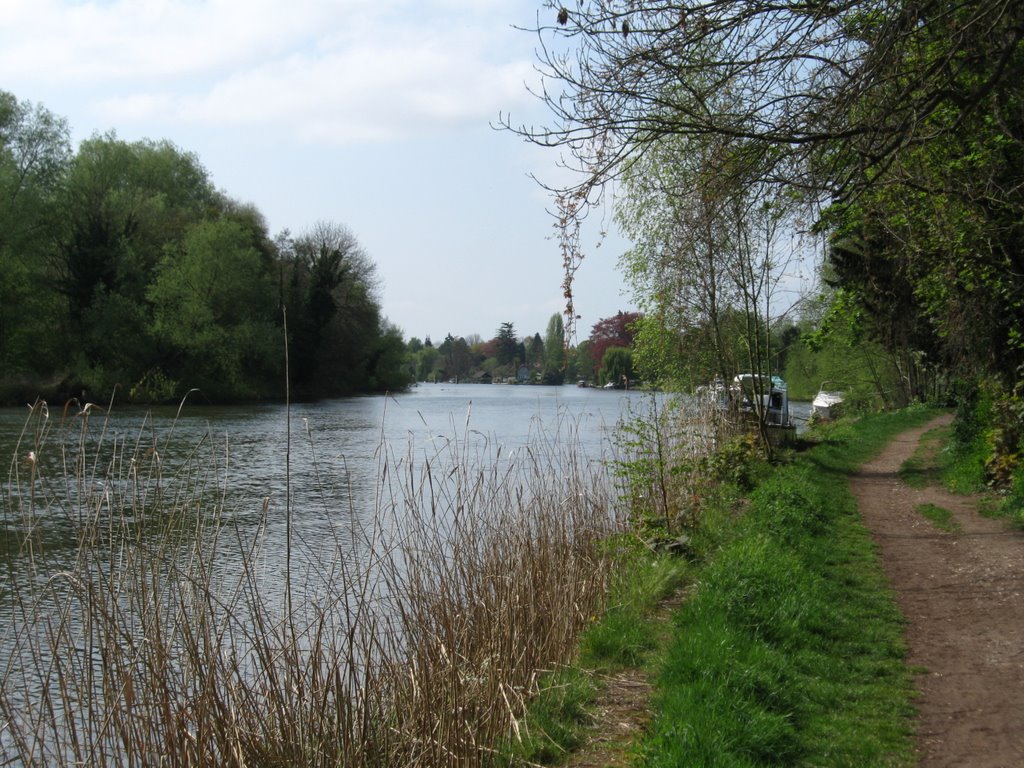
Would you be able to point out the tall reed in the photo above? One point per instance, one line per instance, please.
(143, 626)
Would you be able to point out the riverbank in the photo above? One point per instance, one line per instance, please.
(788, 648)
(768, 636)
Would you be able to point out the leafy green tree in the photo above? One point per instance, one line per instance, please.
(427, 363)
(836, 352)
(905, 117)
(617, 366)
(124, 205)
(935, 259)
(413, 347)
(329, 286)
(580, 362)
(34, 155)
(708, 250)
(533, 351)
(622, 75)
(121, 264)
(214, 313)
(554, 351)
(463, 358)
(387, 370)
(456, 357)
(506, 345)
(615, 331)
(659, 354)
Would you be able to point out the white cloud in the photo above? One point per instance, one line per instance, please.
(139, 40)
(341, 70)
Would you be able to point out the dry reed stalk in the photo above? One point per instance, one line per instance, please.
(134, 645)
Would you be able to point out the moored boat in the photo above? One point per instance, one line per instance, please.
(826, 404)
(774, 396)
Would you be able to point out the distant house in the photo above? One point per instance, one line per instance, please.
(484, 378)
(523, 374)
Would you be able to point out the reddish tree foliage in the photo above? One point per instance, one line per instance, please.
(611, 332)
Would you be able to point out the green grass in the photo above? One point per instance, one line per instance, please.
(556, 721)
(937, 461)
(626, 634)
(791, 650)
(940, 517)
(925, 466)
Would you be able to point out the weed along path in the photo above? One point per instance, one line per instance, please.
(960, 586)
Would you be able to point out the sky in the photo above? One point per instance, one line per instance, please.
(375, 114)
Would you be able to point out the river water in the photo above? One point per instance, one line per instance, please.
(328, 477)
(326, 469)
(304, 490)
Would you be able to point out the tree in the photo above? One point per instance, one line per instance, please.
(456, 357)
(329, 286)
(426, 363)
(935, 256)
(580, 362)
(386, 369)
(34, 155)
(823, 97)
(622, 74)
(214, 313)
(554, 351)
(617, 366)
(836, 348)
(615, 331)
(533, 352)
(506, 345)
(676, 209)
(124, 205)
(462, 358)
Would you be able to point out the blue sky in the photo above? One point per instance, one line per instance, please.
(375, 114)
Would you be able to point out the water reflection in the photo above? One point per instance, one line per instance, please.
(322, 461)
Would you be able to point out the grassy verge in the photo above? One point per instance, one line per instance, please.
(960, 467)
(789, 650)
(930, 460)
(940, 517)
(790, 653)
(627, 634)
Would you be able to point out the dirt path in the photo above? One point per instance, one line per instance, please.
(961, 593)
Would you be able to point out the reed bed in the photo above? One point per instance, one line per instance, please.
(143, 625)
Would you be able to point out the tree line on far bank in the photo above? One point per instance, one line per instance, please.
(606, 356)
(122, 267)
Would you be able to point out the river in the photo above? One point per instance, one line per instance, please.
(329, 470)
(320, 490)
(118, 525)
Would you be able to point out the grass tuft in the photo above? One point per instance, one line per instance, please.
(940, 517)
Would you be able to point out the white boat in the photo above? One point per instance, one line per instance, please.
(774, 394)
(826, 404)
